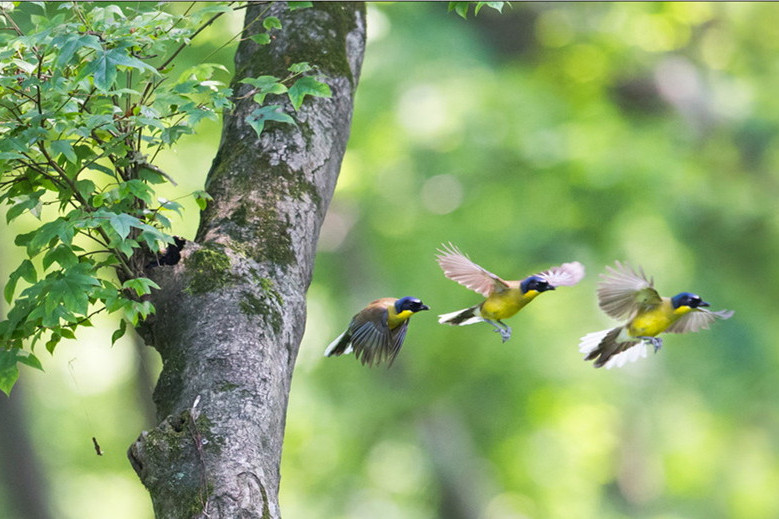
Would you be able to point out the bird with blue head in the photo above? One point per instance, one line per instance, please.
(376, 333)
(502, 298)
(625, 293)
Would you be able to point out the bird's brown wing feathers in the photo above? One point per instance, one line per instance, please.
(397, 336)
(458, 267)
(370, 334)
(623, 291)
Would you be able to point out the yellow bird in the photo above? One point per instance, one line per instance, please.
(503, 298)
(625, 293)
(376, 332)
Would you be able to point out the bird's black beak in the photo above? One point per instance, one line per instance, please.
(703, 303)
(423, 307)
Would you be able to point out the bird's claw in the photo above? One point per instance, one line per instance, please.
(505, 333)
(656, 342)
(502, 329)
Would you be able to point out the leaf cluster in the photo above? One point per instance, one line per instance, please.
(88, 98)
(300, 87)
(301, 81)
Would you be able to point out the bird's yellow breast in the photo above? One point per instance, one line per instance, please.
(656, 320)
(396, 319)
(502, 305)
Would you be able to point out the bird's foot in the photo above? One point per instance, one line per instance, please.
(501, 328)
(656, 342)
(505, 334)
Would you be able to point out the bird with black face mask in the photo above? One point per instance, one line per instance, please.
(625, 293)
(503, 298)
(376, 332)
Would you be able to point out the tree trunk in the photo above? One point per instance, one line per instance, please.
(231, 315)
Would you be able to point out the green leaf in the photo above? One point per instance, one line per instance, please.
(9, 373)
(259, 116)
(138, 189)
(169, 205)
(200, 72)
(102, 72)
(10, 288)
(30, 203)
(135, 311)
(307, 85)
(201, 199)
(11, 155)
(122, 223)
(119, 332)
(64, 147)
(300, 67)
(85, 187)
(126, 247)
(67, 291)
(103, 169)
(62, 254)
(293, 6)
(260, 81)
(162, 219)
(271, 22)
(68, 334)
(461, 8)
(261, 38)
(142, 286)
(25, 66)
(52, 342)
(68, 44)
(61, 229)
(265, 85)
(498, 6)
(26, 271)
(213, 8)
(28, 359)
(119, 58)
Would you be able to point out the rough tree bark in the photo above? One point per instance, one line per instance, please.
(231, 315)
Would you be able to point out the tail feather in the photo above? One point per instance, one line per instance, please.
(461, 317)
(340, 346)
(607, 350)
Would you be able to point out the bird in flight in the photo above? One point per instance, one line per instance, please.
(502, 298)
(627, 294)
(376, 332)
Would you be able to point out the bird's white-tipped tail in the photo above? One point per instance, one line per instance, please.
(460, 317)
(631, 354)
(333, 345)
(592, 341)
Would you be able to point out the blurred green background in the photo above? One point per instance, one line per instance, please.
(554, 132)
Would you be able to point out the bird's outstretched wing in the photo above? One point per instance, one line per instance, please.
(623, 291)
(565, 275)
(397, 336)
(371, 336)
(698, 319)
(458, 267)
